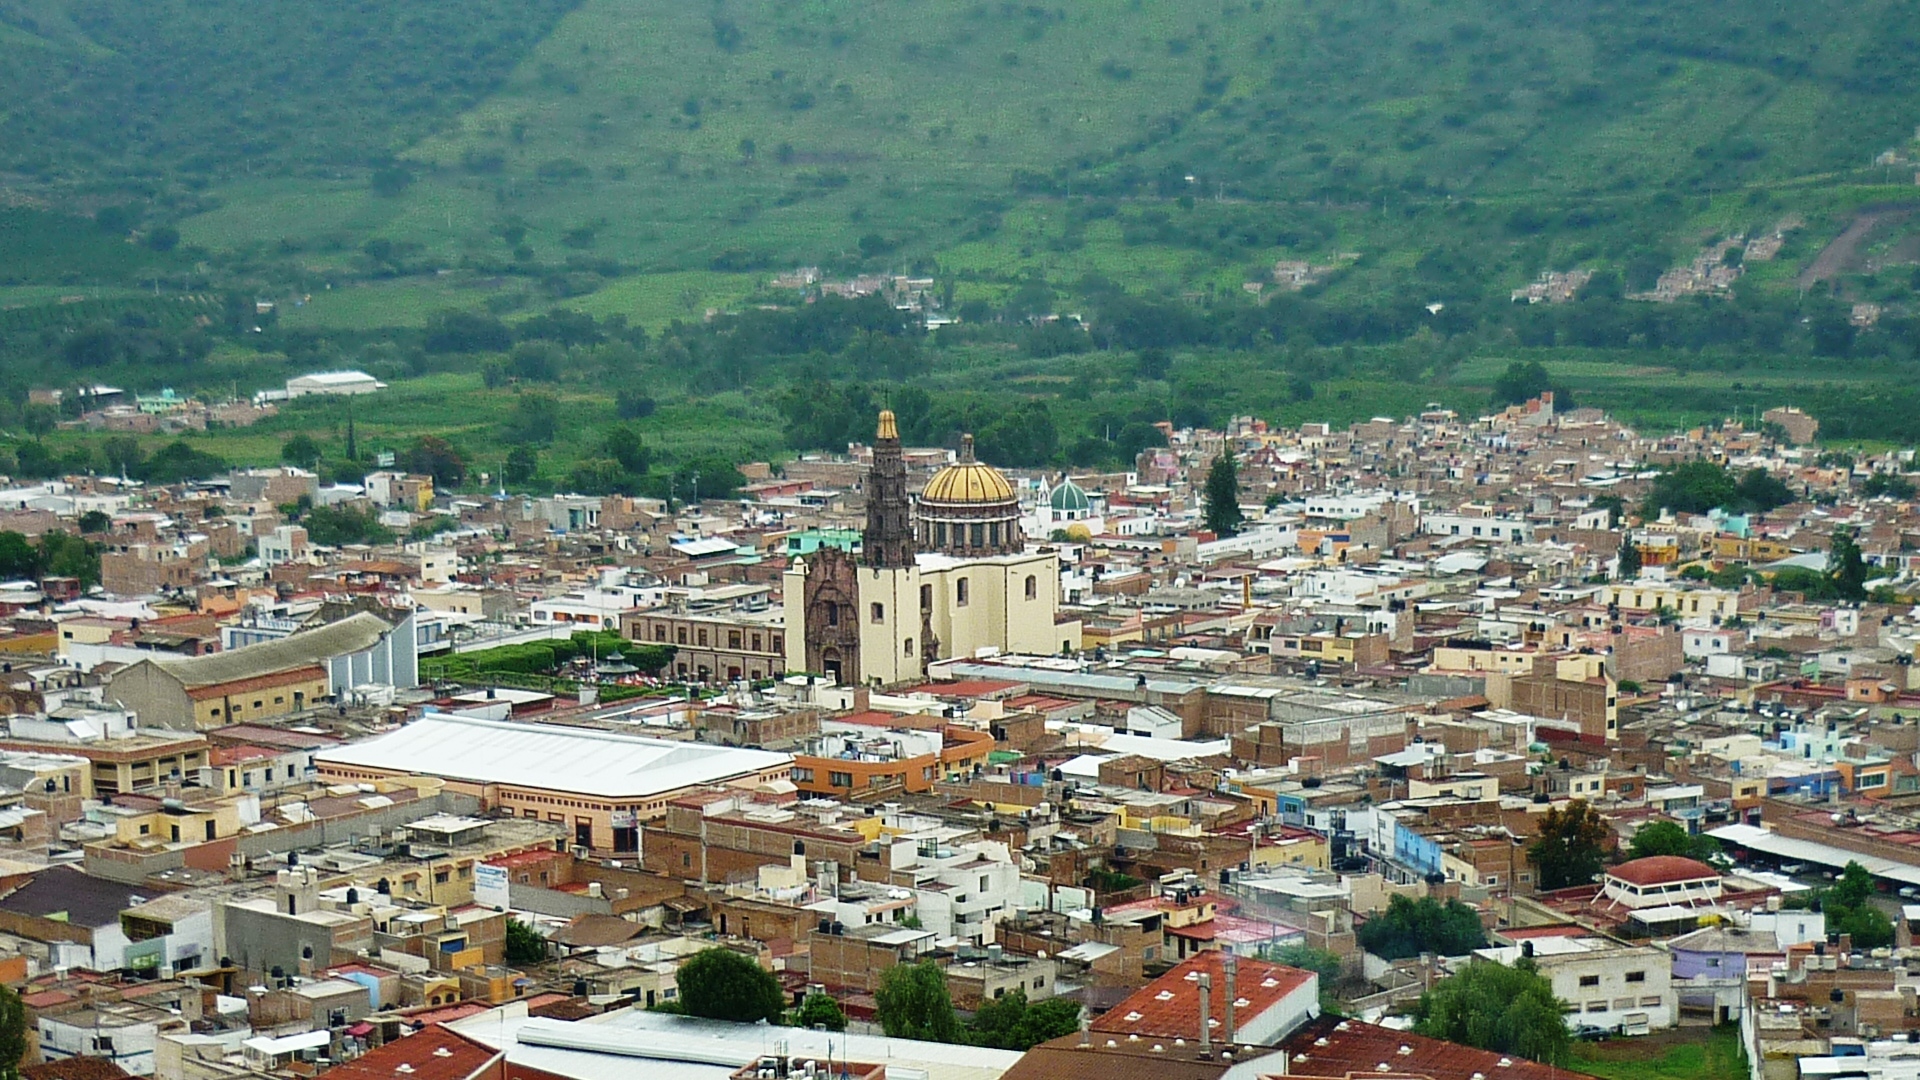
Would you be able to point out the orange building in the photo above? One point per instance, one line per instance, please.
(849, 759)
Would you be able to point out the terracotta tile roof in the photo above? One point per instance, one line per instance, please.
(432, 1053)
(1065, 1059)
(1332, 1047)
(258, 682)
(234, 755)
(77, 1068)
(1169, 1006)
(1661, 870)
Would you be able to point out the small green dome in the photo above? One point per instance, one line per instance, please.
(1068, 498)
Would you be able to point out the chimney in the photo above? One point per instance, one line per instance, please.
(1230, 962)
(1206, 1017)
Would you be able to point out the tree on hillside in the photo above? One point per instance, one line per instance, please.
(1223, 496)
(433, 456)
(1411, 927)
(1523, 381)
(1845, 567)
(301, 450)
(1570, 847)
(525, 946)
(1510, 1010)
(913, 1003)
(522, 465)
(1668, 838)
(721, 984)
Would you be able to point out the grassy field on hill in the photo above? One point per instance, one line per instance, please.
(367, 168)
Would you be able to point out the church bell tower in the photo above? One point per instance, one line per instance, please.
(888, 542)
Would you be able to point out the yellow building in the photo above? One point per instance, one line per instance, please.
(1689, 604)
(882, 618)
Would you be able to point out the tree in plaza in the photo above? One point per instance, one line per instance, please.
(818, 1010)
(913, 1003)
(721, 984)
(13, 1033)
(1510, 1010)
(525, 946)
(1411, 927)
(1845, 566)
(1223, 496)
(1570, 847)
(1668, 838)
(1629, 558)
(1013, 1023)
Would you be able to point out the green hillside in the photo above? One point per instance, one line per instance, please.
(369, 166)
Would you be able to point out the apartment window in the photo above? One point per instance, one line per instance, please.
(983, 883)
(877, 613)
(801, 775)
(1636, 976)
(686, 859)
(1033, 587)
(756, 643)
(1039, 981)
(1596, 1006)
(960, 592)
(256, 703)
(906, 647)
(440, 877)
(840, 779)
(733, 639)
(1589, 980)
(703, 636)
(926, 598)
(680, 635)
(279, 701)
(778, 645)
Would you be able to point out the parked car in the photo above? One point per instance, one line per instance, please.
(1592, 1033)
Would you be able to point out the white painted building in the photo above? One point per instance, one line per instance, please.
(1509, 530)
(333, 382)
(1629, 989)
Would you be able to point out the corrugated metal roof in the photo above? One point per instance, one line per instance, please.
(582, 760)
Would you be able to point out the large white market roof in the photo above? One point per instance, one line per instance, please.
(582, 760)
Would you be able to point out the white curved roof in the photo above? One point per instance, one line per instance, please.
(583, 760)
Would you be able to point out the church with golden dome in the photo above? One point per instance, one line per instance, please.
(968, 508)
(947, 575)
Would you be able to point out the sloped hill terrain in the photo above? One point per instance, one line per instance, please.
(167, 90)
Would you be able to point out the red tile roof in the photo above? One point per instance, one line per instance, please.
(1662, 870)
(967, 688)
(432, 1053)
(234, 755)
(1332, 1047)
(1169, 1006)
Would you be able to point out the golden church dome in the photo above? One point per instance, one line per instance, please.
(967, 482)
